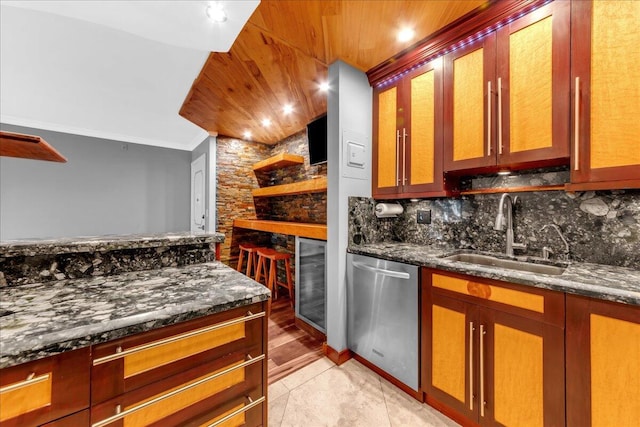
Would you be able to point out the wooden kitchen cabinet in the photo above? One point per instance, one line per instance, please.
(493, 352)
(602, 365)
(506, 96)
(210, 370)
(407, 145)
(605, 95)
(37, 392)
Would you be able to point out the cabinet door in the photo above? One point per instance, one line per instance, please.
(469, 104)
(422, 150)
(603, 368)
(532, 87)
(450, 357)
(36, 392)
(521, 371)
(387, 124)
(606, 94)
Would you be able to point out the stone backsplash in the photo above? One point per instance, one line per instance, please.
(601, 227)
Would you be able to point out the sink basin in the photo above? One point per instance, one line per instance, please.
(507, 263)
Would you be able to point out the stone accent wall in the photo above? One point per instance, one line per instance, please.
(235, 180)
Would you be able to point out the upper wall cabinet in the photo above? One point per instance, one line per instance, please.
(606, 95)
(506, 96)
(407, 129)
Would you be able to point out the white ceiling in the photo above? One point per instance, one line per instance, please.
(116, 70)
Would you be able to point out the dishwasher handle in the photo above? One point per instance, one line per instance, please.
(384, 272)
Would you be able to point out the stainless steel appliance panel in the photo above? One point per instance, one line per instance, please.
(382, 315)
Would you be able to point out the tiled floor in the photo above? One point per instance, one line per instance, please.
(323, 394)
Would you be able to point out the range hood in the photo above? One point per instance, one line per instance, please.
(28, 147)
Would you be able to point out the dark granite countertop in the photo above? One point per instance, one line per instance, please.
(43, 319)
(605, 282)
(11, 248)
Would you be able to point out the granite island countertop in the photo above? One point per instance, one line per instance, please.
(43, 319)
(605, 282)
(12, 248)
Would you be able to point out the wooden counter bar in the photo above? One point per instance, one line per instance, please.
(312, 231)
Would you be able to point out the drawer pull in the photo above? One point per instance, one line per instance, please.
(252, 404)
(31, 379)
(120, 353)
(122, 414)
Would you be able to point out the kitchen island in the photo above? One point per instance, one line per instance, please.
(191, 337)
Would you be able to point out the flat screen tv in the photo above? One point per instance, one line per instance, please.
(317, 138)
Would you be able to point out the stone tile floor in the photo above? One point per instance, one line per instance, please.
(323, 394)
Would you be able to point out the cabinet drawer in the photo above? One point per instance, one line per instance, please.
(78, 419)
(223, 389)
(124, 365)
(43, 390)
(544, 305)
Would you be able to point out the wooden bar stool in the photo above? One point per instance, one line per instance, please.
(271, 277)
(250, 249)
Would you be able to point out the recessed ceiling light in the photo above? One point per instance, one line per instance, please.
(324, 86)
(266, 122)
(504, 173)
(247, 134)
(405, 34)
(287, 109)
(216, 12)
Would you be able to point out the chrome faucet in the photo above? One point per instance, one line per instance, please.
(545, 254)
(501, 223)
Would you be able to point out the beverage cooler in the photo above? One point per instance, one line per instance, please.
(311, 262)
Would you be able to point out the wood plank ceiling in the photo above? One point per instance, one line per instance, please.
(282, 55)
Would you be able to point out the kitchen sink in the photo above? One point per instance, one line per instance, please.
(511, 264)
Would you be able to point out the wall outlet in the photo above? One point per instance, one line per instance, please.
(424, 217)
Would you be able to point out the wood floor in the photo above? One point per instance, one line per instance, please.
(290, 348)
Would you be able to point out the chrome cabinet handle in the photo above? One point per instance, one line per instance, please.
(471, 329)
(404, 156)
(576, 129)
(499, 115)
(482, 401)
(119, 414)
(488, 118)
(31, 379)
(245, 408)
(122, 353)
(397, 156)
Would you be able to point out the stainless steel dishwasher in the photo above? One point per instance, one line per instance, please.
(382, 315)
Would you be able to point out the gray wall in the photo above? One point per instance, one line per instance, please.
(106, 187)
(349, 108)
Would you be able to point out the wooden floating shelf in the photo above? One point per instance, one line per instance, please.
(312, 231)
(317, 185)
(278, 161)
(28, 147)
